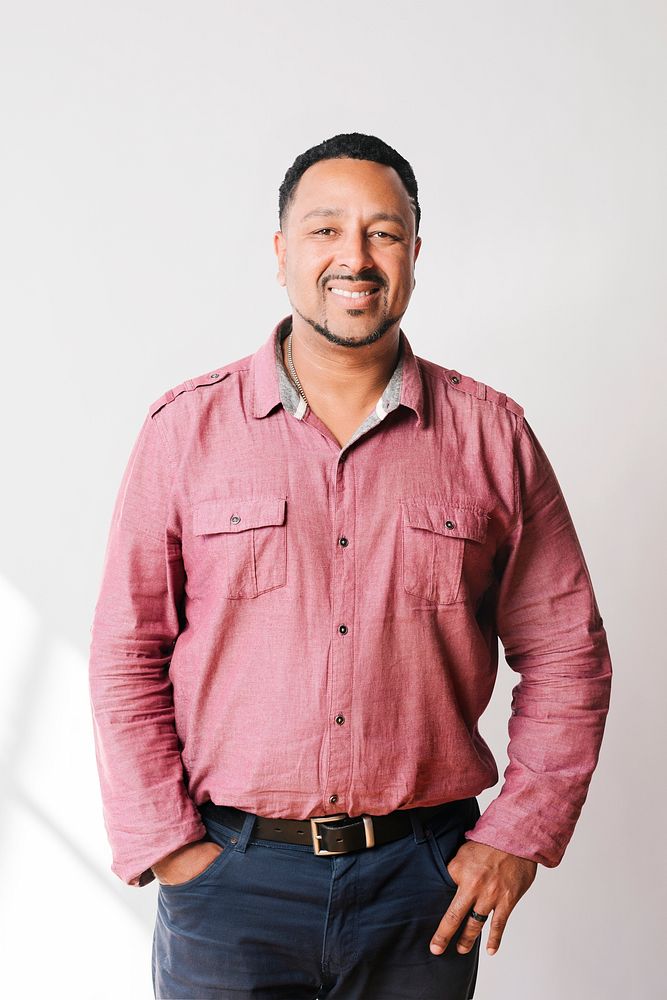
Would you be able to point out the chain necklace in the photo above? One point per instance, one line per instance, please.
(293, 369)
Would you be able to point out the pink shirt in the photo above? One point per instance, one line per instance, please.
(300, 629)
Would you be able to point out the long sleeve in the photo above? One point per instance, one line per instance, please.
(552, 633)
(147, 810)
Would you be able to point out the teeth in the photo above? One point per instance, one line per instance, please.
(350, 295)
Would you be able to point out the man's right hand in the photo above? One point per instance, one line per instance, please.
(186, 862)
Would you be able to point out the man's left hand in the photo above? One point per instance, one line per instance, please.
(487, 879)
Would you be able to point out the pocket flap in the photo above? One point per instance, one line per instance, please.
(464, 521)
(212, 516)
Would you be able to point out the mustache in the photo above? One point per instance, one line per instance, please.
(375, 278)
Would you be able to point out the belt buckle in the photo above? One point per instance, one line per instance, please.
(314, 820)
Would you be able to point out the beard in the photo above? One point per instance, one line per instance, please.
(379, 331)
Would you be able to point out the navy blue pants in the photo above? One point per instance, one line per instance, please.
(278, 922)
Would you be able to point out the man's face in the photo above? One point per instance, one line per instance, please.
(350, 229)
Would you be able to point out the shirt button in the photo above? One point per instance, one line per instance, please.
(455, 379)
(342, 629)
(343, 541)
(235, 519)
(333, 798)
(215, 375)
(340, 719)
(449, 524)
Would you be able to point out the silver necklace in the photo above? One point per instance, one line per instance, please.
(293, 369)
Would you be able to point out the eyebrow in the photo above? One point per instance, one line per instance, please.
(377, 217)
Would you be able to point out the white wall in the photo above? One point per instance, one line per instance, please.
(143, 147)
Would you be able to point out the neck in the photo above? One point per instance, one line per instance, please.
(349, 379)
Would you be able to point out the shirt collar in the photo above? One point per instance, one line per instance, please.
(273, 385)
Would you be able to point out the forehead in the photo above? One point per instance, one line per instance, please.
(350, 183)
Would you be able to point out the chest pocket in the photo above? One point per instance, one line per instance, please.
(249, 542)
(435, 536)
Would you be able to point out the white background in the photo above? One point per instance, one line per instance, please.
(142, 149)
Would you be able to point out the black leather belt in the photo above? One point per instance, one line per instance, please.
(335, 834)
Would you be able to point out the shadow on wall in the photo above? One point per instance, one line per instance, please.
(69, 926)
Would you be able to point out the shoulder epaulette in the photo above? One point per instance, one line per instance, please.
(207, 379)
(464, 383)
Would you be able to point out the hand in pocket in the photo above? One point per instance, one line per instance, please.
(186, 862)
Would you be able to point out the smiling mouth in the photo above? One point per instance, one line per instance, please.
(352, 295)
(357, 297)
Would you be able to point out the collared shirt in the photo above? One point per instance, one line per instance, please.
(301, 629)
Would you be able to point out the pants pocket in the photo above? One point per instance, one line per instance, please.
(445, 836)
(212, 870)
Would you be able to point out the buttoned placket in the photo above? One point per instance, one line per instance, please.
(340, 733)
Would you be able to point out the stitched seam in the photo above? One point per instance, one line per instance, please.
(516, 485)
(172, 466)
(355, 644)
(451, 502)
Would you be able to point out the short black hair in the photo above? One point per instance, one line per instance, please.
(356, 146)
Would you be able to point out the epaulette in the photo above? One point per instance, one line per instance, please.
(464, 383)
(207, 379)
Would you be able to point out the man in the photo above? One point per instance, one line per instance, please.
(312, 555)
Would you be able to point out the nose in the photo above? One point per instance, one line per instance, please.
(354, 252)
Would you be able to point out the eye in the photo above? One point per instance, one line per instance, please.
(325, 230)
(389, 236)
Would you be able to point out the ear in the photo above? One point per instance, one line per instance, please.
(418, 246)
(280, 247)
